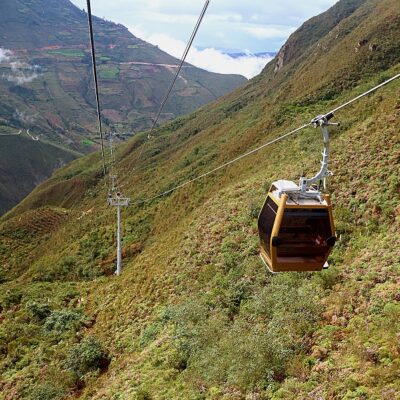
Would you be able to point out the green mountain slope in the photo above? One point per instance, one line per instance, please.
(195, 315)
(46, 83)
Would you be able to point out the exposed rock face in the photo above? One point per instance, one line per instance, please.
(361, 43)
(364, 42)
(281, 58)
(373, 47)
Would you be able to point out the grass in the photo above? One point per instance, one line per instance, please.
(198, 304)
(87, 142)
(75, 53)
(195, 315)
(109, 73)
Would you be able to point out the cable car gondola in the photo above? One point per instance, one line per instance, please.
(296, 227)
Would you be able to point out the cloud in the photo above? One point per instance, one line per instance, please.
(258, 25)
(5, 55)
(21, 72)
(211, 59)
(215, 61)
(22, 117)
(269, 32)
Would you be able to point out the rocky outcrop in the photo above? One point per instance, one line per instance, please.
(281, 58)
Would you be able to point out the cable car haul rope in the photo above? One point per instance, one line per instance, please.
(296, 226)
(270, 143)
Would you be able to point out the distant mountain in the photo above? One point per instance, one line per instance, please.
(45, 78)
(46, 82)
(267, 54)
(195, 314)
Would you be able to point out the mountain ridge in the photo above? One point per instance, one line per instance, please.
(46, 84)
(194, 314)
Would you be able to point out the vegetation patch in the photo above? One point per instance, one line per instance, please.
(109, 73)
(75, 53)
(87, 357)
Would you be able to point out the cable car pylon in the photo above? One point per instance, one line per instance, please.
(116, 199)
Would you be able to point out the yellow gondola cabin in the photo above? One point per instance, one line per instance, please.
(296, 233)
(295, 225)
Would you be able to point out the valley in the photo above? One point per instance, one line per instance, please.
(195, 315)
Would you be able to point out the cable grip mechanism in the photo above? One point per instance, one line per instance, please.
(322, 121)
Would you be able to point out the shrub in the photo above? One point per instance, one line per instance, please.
(328, 278)
(12, 298)
(3, 277)
(143, 394)
(45, 392)
(87, 356)
(65, 320)
(246, 337)
(38, 311)
(150, 334)
(67, 264)
(254, 210)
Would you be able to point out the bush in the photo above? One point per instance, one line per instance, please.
(38, 311)
(254, 210)
(328, 278)
(3, 277)
(245, 337)
(65, 320)
(143, 394)
(87, 356)
(45, 392)
(150, 334)
(67, 264)
(12, 298)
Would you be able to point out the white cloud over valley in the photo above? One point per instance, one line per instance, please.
(211, 59)
(5, 55)
(20, 72)
(258, 26)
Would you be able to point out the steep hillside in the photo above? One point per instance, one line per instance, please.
(46, 79)
(24, 164)
(46, 83)
(195, 315)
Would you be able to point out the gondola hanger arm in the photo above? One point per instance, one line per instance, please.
(323, 122)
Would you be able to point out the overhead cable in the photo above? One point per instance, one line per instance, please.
(374, 89)
(96, 84)
(171, 86)
(183, 59)
(226, 164)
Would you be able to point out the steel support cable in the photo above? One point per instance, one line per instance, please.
(171, 86)
(183, 59)
(96, 83)
(365, 94)
(224, 165)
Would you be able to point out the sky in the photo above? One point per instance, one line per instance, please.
(249, 27)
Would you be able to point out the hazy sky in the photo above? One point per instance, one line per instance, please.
(247, 26)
